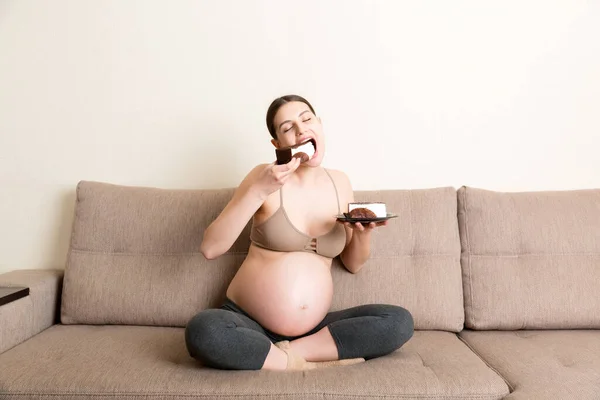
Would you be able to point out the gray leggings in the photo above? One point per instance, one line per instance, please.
(228, 338)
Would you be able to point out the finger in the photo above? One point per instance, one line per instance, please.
(359, 226)
(284, 176)
(294, 164)
(272, 167)
(291, 166)
(287, 170)
(372, 225)
(283, 167)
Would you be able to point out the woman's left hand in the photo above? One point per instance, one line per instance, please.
(358, 227)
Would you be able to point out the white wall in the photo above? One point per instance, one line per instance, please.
(500, 95)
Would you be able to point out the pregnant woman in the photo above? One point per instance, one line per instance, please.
(276, 313)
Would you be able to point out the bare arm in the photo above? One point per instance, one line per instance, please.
(247, 199)
(358, 244)
(225, 229)
(358, 237)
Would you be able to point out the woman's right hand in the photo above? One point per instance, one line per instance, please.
(274, 176)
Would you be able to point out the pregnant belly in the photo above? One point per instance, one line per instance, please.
(287, 293)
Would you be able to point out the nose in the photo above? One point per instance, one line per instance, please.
(302, 129)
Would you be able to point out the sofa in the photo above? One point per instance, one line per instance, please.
(504, 288)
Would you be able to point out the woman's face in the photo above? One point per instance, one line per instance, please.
(294, 124)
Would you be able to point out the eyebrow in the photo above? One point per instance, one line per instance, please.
(286, 121)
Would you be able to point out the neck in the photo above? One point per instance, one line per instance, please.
(305, 173)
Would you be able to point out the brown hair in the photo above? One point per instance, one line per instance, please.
(276, 104)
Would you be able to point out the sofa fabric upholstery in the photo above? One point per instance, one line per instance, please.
(134, 257)
(414, 261)
(519, 270)
(28, 316)
(560, 364)
(108, 362)
(530, 260)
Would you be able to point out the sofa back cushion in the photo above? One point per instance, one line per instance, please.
(134, 257)
(530, 260)
(414, 261)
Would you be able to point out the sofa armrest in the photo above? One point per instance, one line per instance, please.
(28, 316)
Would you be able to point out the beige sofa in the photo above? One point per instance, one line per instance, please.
(503, 287)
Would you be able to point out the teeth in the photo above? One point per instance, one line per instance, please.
(307, 148)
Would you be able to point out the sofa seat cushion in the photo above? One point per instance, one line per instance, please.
(108, 362)
(543, 364)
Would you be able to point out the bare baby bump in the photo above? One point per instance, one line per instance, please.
(287, 293)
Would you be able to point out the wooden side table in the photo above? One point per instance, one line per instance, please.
(9, 294)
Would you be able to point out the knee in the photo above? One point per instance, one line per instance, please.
(202, 334)
(401, 326)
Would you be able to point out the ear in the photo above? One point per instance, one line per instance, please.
(275, 143)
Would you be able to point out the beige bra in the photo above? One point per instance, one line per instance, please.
(279, 234)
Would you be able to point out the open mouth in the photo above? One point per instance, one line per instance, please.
(305, 150)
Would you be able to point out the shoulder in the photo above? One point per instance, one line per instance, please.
(250, 178)
(339, 177)
(342, 182)
(254, 172)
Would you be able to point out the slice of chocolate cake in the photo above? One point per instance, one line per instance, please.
(362, 213)
(377, 208)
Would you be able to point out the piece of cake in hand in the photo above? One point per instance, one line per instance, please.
(304, 151)
(377, 209)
